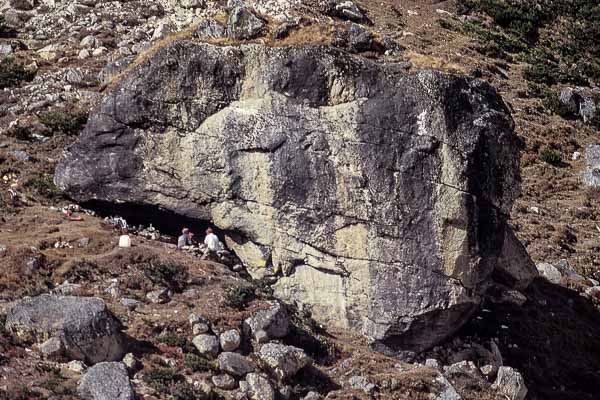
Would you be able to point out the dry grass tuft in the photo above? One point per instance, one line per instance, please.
(423, 61)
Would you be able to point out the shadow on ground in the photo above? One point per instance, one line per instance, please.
(553, 340)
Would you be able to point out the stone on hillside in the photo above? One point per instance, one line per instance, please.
(106, 381)
(224, 381)
(210, 29)
(113, 69)
(159, 296)
(510, 384)
(230, 340)
(549, 272)
(235, 364)
(207, 345)
(357, 39)
(5, 51)
(259, 387)
(284, 361)
(193, 3)
(361, 383)
(273, 323)
(163, 30)
(84, 326)
(52, 349)
(446, 390)
(130, 304)
(391, 232)
(243, 24)
(312, 396)
(591, 176)
(348, 10)
(89, 42)
(131, 362)
(76, 366)
(577, 104)
(514, 267)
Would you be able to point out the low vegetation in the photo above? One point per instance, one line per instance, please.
(12, 73)
(166, 273)
(66, 122)
(43, 185)
(168, 382)
(569, 55)
(239, 295)
(550, 156)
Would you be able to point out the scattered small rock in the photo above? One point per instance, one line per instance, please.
(268, 324)
(259, 387)
(230, 340)
(106, 381)
(284, 361)
(159, 296)
(235, 364)
(243, 24)
(361, 383)
(510, 383)
(207, 345)
(224, 381)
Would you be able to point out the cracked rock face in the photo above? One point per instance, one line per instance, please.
(382, 195)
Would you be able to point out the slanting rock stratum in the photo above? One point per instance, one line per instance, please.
(381, 195)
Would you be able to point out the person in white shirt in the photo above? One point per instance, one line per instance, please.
(212, 241)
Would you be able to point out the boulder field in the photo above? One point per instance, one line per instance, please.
(379, 196)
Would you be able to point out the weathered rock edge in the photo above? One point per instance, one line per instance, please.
(381, 195)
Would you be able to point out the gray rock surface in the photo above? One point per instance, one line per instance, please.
(384, 193)
(224, 381)
(549, 272)
(244, 24)
(591, 175)
(272, 323)
(210, 29)
(446, 390)
(510, 384)
(514, 267)
(259, 387)
(284, 361)
(230, 340)
(235, 364)
(85, 327)
(106, 381)
(207, 345)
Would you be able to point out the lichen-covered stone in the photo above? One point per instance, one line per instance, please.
(106, 381)
(383, 195)
(86, 329)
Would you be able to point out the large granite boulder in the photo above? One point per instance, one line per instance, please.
(382, 195)
(82, 327)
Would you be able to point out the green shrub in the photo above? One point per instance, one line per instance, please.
(175, 340)
(160, 379)
(198, 363)
(239, 295)
(13, 73)
(522, 21)
(64, 122)
(43, 186)
(550, 156)
(166, 273)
